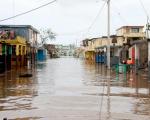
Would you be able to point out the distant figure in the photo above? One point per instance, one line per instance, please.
(130, 61)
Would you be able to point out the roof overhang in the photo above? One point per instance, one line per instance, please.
(105, 46)
(138, 42)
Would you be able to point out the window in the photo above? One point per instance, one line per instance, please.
(135, 30)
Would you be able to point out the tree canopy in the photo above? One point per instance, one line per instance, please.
(46, 35)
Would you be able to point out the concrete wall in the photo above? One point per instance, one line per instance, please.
(127, 31)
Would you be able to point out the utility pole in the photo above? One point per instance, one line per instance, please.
(148, 40)
(147, 28)
(108, 34)
(108, 46)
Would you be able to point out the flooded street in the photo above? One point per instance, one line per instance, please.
(72, 89)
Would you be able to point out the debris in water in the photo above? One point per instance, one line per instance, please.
(25, 75)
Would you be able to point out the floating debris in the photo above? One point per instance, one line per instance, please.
(25, 75)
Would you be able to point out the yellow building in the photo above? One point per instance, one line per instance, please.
(89, 50)
(18, 44)
(18, 50)
(23, 39)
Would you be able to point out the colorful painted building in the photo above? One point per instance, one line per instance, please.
(89, 51)
(119, 45)
(133, 43)
(41, 54)
(17, 45)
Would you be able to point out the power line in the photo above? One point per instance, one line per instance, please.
(144, 9)
(100, 11)
(122, 18)
(119, 14)
(13, 6)
(86, 30)
(28, 11)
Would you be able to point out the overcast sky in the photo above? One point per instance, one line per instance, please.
(70, 19)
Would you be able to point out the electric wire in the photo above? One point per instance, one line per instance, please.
(148, 19)
(13, 6)
(23, 13)
(103, 86)
(86, 30)
(97, 16)
(119, 14)
(144, 9)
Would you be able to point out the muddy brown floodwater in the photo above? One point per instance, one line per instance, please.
(72, 89)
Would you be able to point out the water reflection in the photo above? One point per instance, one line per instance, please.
(142, 106)
(16, 93)
(72, 85)
(133, 85)
(108, 108)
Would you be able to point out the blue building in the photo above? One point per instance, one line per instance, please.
(41, 54)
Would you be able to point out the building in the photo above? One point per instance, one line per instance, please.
(18, 45)
(65, 50)
(89, 45)
(130, 50)
(96, 48)
(51, 49)
(131, 33)
(41, 54)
